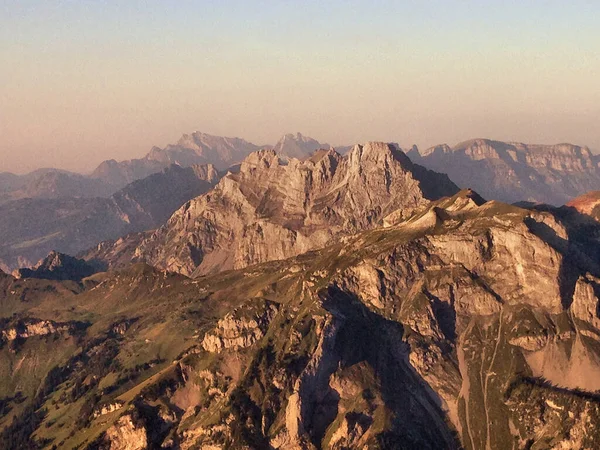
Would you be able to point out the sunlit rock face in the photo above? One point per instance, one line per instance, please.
(273, 209)
(514, 172)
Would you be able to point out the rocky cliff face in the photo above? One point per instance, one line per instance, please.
(467, 324)
(273, 209)
(514, 172)
(31, 228)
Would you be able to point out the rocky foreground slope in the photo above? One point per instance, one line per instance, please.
(513, 172)
(32, 227)
(466, 325)
(273, 209)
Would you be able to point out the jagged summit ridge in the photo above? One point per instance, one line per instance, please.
(199, 148)
(272, 209)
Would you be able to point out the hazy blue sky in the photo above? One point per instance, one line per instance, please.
(83, 81)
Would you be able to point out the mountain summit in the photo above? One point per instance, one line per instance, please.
(298, 146)
(192, 149)
(274, 209)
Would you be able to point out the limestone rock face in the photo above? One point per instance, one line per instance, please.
(273, 209)
(513, 172)
(125, 435)
(240, 328)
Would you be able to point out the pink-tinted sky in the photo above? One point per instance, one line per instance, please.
(81, 82)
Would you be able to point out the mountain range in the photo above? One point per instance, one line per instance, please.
(274, 209)
(199, 148)
(513, 172)
(51, 184)
(32, 227)
(427, 333)
(306, 298)
(192, 149)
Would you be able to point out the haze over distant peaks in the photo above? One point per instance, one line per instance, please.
(31, 227)
(202, 148)
(194, 148)
(513, 172)
(298, 146)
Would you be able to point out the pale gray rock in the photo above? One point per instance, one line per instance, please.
(513, 172)
(273, 209)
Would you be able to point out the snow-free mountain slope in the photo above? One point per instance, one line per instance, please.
(273, 209)
(514, 172)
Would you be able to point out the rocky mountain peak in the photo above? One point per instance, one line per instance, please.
(260, 159)
(377, 152)
(198, 148)
(438, 149)
(57, 266)
(273, 209)
(298, 146)
(191, 149)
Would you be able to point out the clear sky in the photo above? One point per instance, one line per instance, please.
(83, 81)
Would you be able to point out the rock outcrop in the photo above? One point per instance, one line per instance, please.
(241, 328)
(21, 329)
(126, 435)
(57, 266)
